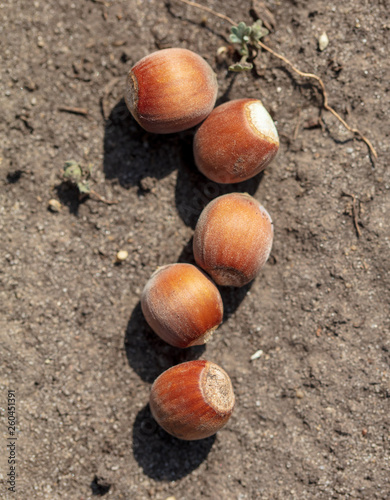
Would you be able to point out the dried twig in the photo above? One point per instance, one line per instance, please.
(106, 92)
(100, 198)
(298, 124)
(210, 11)
(71, 109)
(260, 10)
(325, 104)
(354, 213)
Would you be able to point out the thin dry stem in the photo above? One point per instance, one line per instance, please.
(354, 213)
(211, 11)
(100, 198)
(74, 110)
(325, 104)
(106, 92)
(298, 124)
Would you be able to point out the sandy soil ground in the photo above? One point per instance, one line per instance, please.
(312, 413)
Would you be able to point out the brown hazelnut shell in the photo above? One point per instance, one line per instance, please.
(171, 90)
(233, 239)
(182, 305)
(236, 142)
(192, 400)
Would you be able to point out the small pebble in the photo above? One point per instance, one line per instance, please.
(299, 394)
(323, 41)
(121, 255)
(256, 355)
(54, 205)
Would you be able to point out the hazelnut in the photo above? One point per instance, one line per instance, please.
(171, 90)
(233, 239)
(182, 305)
(236, 142)
(192, 400)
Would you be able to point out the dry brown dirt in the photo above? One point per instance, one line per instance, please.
(312, 414)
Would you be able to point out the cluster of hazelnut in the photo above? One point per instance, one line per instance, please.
(170, 91)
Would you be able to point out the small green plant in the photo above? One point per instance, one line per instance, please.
(80, 176)
(247, 37)
(75, 174)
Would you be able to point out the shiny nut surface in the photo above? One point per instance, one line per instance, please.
(171, 90)
(233, 239)
(182, 305)
(236, 142)
(192, 400)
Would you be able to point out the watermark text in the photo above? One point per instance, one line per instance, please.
(11, 441)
